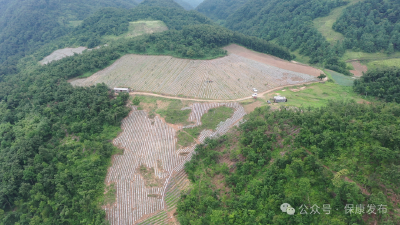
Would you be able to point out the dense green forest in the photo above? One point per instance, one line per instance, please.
(111, 21)
(383, 83)
(289, 23)
(342, 154)
(371, 25)
(219, 9)
(26, 25)
(54, 148)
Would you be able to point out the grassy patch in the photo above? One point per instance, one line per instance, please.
(349, 55)
(138, 28)
(341, 79)
(300, 58)
(109, 196)
(210, 120)
(317, 95)
(324, 24)
(384, 63)
(169, 109)
(173, 114)
(349, 66)
(184, 139)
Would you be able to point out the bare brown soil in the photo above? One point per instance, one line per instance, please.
(359, 69)
(298, 89)
(272, 60)
(171, 219)
(248, 108)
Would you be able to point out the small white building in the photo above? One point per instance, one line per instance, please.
(278, 99)
(118, 90)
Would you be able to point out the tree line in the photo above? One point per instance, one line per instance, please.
(383, 83)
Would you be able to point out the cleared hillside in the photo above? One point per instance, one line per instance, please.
(230, 77)
(148, 177)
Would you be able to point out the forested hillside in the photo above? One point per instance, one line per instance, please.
(112, 21)
(26, 25)
(219, 9)
(184, 4)
(383, 83)
(161, 3)
(371, 25)
(289, 23)
(331, 160)
(54, 139)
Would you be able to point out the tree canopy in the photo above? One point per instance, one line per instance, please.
(383, 83)
(338, 156)
(371, 25)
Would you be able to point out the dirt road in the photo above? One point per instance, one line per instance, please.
(213, 100)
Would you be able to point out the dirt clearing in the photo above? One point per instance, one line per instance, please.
(359, 69)
(145, 27)
(61, 53)
(272, 60)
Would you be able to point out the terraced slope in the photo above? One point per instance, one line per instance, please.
(148, 177)
(230, 77)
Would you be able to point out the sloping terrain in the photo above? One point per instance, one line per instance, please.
(62, 53)
(148, 176)
(230, 77)
(272, 61)
(333, 165)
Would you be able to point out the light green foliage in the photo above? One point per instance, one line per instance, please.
(341, 79)
(173, 114)
(317, 95)
(136, 101)
(324, 24)
(384, 63)
(184, 139)
(210, 120)
(349, 55)
(140, 27)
